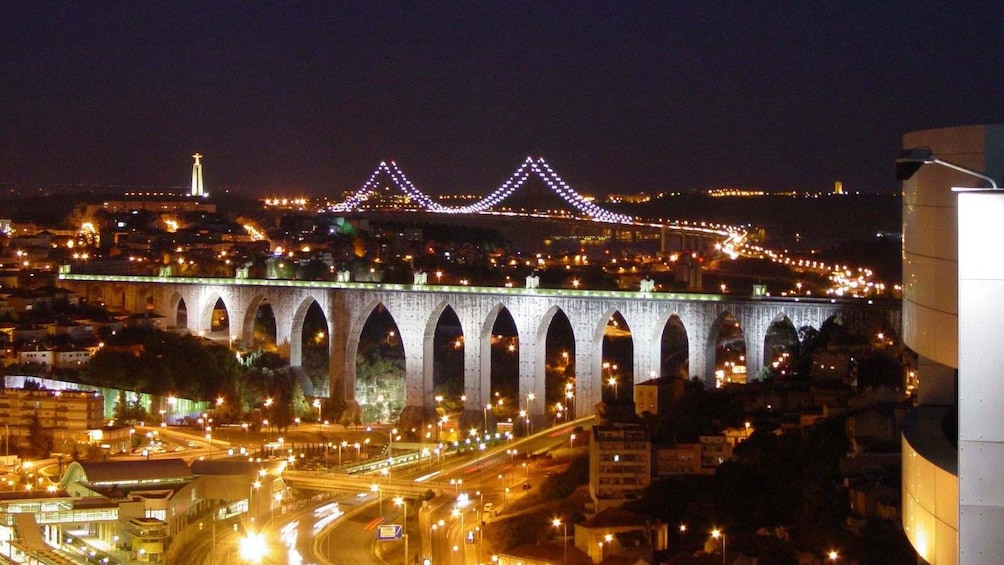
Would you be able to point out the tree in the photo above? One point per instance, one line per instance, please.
(562, 485)
(39, 438)
(95, 452)
(301, 408)
(29, 369)
(161, 362)
(130, 411)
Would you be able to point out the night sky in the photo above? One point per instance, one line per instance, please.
(618, 96)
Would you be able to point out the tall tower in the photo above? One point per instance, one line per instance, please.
(197, 188)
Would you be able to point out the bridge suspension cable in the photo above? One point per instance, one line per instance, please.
(516, 180)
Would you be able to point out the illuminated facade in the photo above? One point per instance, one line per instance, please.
(71, 414)
(934, 497)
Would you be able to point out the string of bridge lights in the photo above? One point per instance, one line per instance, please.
(516, 180)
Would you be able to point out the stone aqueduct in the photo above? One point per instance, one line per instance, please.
(416, 309)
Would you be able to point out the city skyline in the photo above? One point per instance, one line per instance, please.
(309, 98)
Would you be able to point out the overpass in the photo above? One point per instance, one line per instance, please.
(417, 309)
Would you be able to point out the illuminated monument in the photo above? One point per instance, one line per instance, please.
(197, 188)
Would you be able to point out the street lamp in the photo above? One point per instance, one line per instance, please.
(253, 547)
(910, 160)
(268, 412)
(376, 488)
(606, 541)
(399, 501)
(171, 402)
(564, 537)
(530, 397)
(716, 533)
(611, 370)
(832, 555)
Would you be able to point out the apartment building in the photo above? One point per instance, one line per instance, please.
(620, 464)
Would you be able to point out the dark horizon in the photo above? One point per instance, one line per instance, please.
(308, 97)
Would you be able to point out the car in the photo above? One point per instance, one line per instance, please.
(527, 486)
(177, 448)
(194, 443)
(489, 506)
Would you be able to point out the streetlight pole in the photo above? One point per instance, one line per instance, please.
(251, 490)
(399, 501)
(564, 538)
(716, 533)
(910, 160)
(268, 412)
(607, 539)
(529, 412)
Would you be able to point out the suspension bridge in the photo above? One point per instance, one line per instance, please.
(401, 194)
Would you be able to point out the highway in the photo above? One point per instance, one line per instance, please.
(338, 524)
(351, 538)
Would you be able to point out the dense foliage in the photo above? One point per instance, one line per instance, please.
(160, 362)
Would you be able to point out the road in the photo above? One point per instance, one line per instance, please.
(348, 537)
(478, 477)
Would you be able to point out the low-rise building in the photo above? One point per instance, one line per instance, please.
(147, 539)
(162, 504)
(655, 396)
(33, 522)
(619, 532)
(715, 450)
(75, 331)
(70, 414)
(148, 320)
(544, 554)
(63, 357)
(680, 459)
